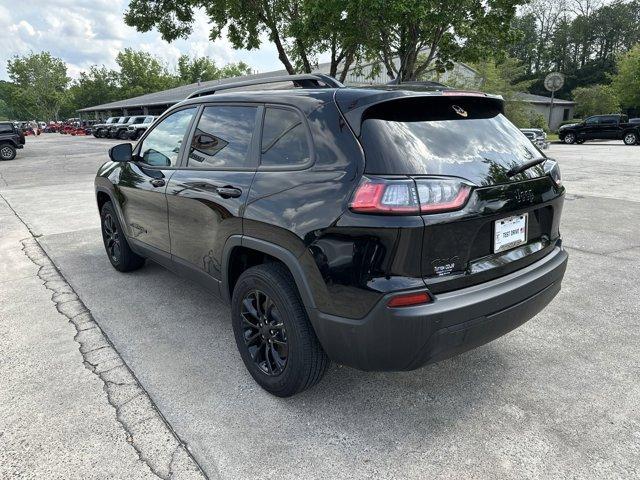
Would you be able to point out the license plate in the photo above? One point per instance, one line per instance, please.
(510, 232)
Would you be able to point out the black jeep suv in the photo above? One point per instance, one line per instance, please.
(11, 138)
(380, 228)
(601, 127)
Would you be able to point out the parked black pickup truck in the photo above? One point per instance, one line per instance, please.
(601, 127)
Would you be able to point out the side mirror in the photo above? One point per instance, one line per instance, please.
(121, 153)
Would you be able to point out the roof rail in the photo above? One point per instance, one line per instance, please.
(306, 80)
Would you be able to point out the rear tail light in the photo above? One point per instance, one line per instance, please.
(553, 169)
(409, 299)
(406, 197)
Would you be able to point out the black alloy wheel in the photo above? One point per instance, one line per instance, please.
(264, 334)
(115, 242)
(273, 333)
(111, 237)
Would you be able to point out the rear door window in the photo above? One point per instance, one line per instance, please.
(223, 138)
(284, 139)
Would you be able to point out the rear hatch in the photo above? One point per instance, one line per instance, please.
(481, 218)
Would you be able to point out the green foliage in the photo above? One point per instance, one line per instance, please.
(95, 86)
(580, 38)
(299, 29)
(626, 82)
(204, 69)
(40, 89)
(596, 100)
(41, 82)
(444, 32)
(141, 73)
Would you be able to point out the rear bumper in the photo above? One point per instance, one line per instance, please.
(408, 338)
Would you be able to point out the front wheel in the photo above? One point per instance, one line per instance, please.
(123, 135)
(630, 138)
(7, 151)
(118, 250)
(569, 138)
(273, 334)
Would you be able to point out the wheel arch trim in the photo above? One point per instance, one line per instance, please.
(115, 203)
(276, 251)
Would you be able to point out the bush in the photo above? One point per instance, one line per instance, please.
(596, 100)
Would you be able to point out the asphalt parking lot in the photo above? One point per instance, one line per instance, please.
(556, 398)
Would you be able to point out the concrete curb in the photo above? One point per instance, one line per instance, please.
(155, 442)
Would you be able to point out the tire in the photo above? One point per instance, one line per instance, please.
(580, 141)
(630, 138)
(123, 135)
(569, 138)
(135, 135)
(304, 362)
(7, 151)
(118, 250)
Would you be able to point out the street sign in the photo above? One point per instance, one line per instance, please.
(554, 81)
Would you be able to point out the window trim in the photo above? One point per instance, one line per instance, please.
(290, 167)
(254, 146)
(158, 122)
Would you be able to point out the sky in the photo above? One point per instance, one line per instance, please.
(88, 32)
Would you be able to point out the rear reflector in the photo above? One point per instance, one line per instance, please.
(409, 299)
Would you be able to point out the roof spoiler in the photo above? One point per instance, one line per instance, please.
(353, 111)
(307, 80)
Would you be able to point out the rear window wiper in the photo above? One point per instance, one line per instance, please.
(525, 166)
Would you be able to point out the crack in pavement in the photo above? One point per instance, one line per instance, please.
(148, 432)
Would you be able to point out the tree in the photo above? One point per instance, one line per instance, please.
(96, 86)
(523, 47)
(141, 73)
(499, 76)
(300, 30)
(595, 100)
(41, 82)
(204, 69)
(429, 35)
(626, 83)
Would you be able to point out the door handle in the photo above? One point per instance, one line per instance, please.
(157, 182)
(228, 192)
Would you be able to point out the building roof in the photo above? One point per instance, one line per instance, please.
(531, 98)
(175, 95)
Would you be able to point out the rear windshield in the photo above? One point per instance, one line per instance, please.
(456, 136)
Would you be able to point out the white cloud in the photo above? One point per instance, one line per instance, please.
(84, 33)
